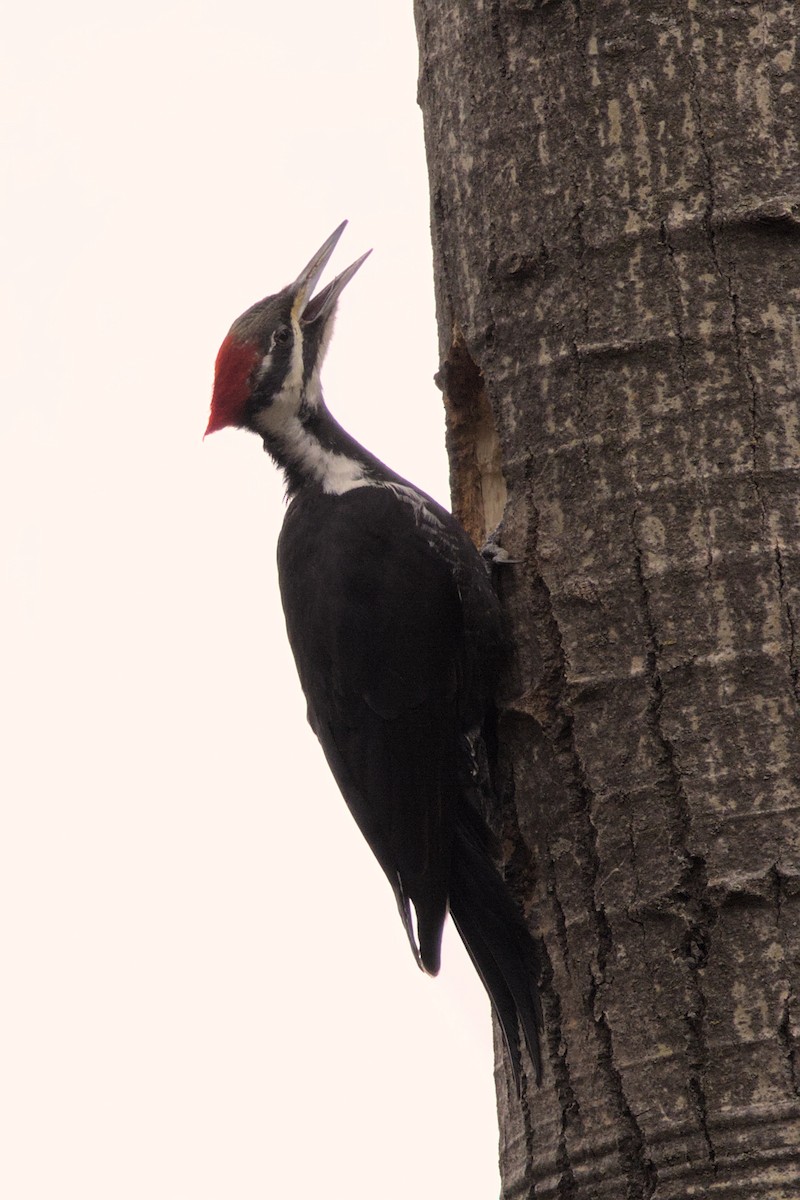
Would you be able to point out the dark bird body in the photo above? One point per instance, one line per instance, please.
(397, 636)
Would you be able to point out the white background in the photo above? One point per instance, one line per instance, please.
(206, 991)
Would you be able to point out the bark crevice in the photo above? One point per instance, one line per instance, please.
(793, 661)
(638, 1168)
(614, 192)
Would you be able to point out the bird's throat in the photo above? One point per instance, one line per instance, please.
(306, 461)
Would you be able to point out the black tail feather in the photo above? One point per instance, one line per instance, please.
(426, 942)
(498, 942)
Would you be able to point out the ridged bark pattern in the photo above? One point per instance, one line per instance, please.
(615, 194)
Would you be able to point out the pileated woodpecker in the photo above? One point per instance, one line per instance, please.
(396, 633)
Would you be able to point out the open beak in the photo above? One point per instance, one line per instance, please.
(309, 307)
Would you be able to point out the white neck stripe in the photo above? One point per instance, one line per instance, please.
(335, 473)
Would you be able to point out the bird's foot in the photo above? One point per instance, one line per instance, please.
(494, 554)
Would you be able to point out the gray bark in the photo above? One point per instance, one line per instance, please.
(616, 224)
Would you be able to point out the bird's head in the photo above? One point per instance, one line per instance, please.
(267, 369)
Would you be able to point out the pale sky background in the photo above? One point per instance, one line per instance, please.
(206, 990)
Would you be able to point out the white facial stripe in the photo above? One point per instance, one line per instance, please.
(289, 398)
(280, 423)
(294, 380)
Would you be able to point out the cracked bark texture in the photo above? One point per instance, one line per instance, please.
(616, 224)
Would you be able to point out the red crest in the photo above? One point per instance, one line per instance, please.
(232, 372)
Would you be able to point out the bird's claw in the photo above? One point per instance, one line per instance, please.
(496, 555)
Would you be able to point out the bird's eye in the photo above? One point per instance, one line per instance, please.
(282, 335)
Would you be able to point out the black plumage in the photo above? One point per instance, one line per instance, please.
(397, 636)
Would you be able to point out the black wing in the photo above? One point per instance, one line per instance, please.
(376, 624)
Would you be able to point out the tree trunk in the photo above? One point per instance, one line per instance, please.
(616, 224)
